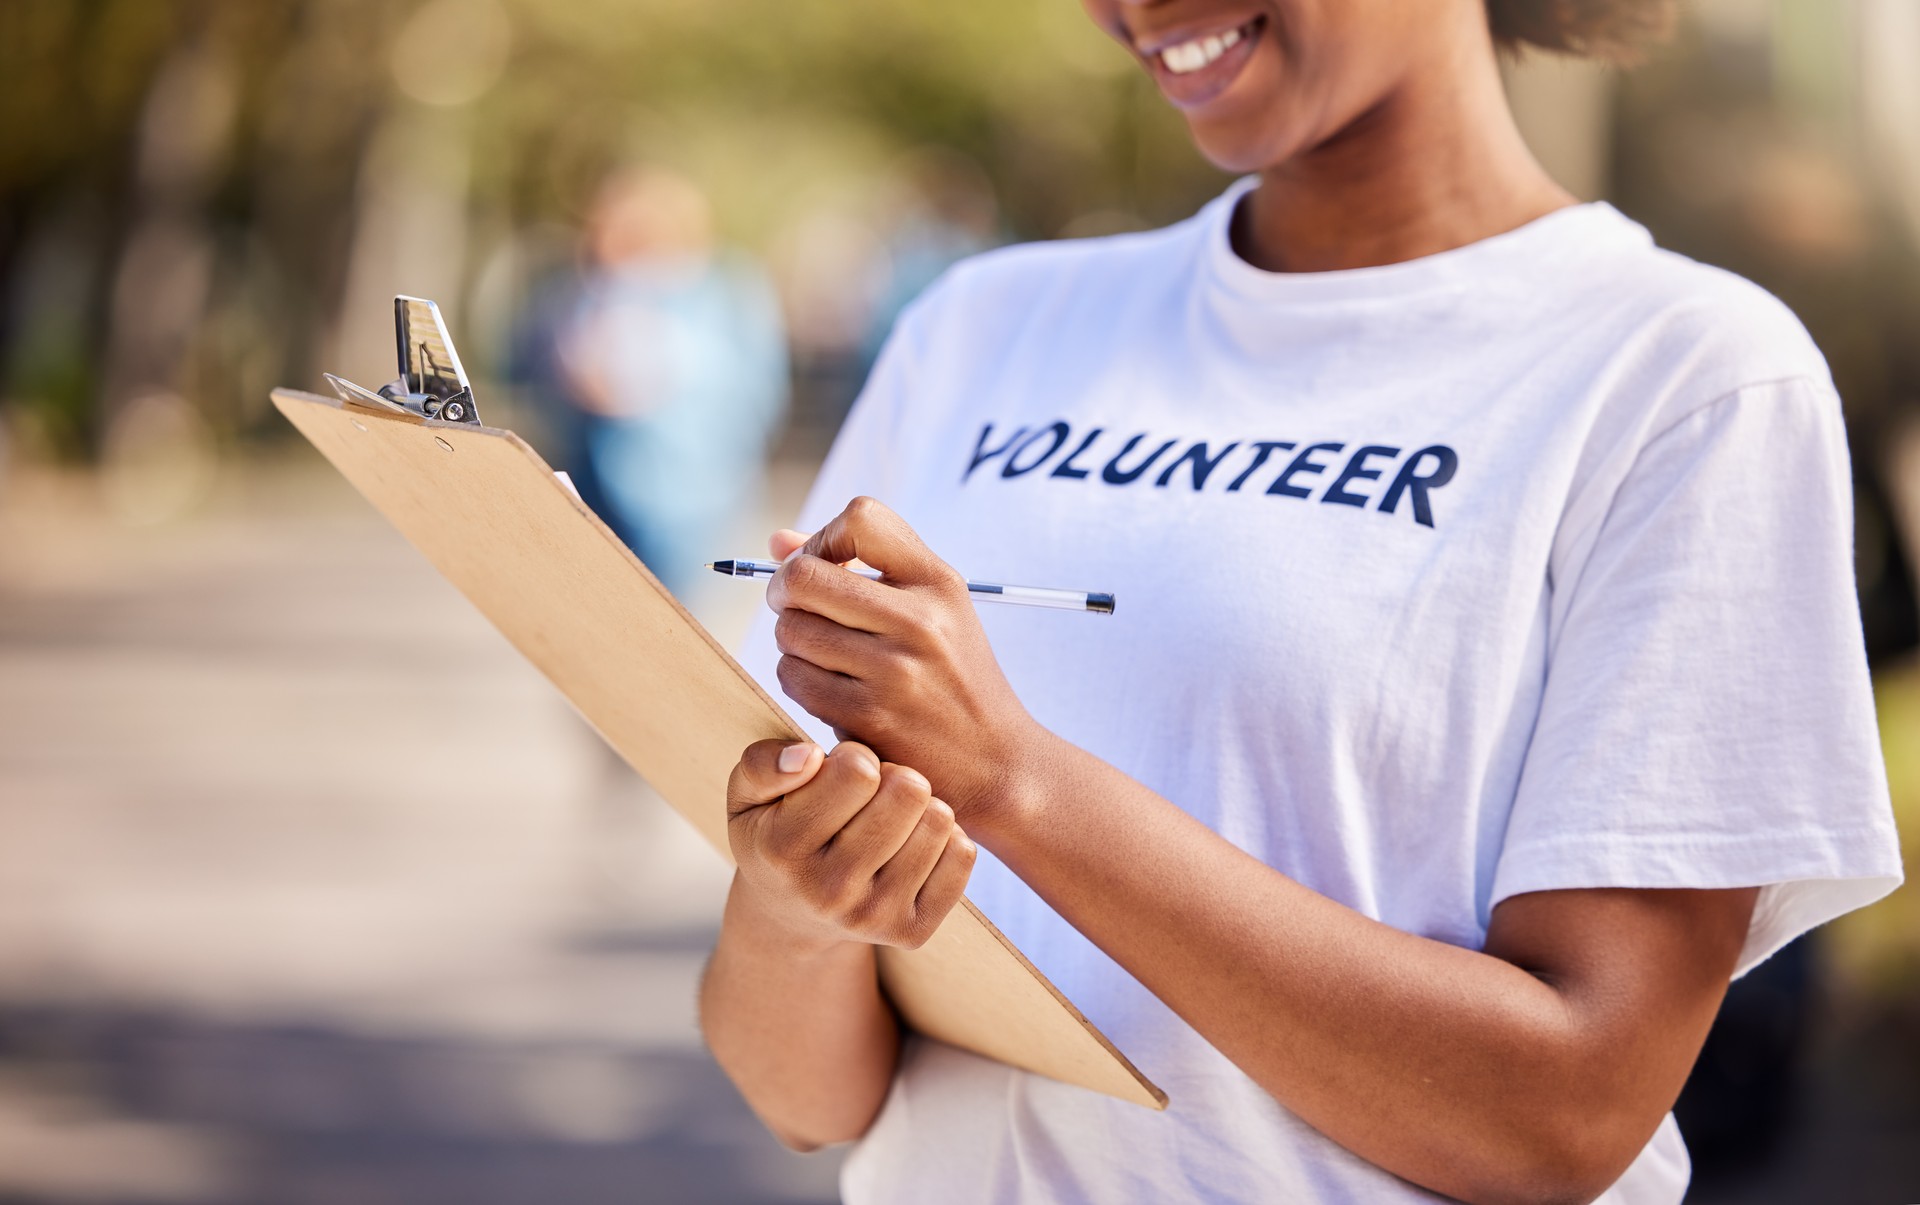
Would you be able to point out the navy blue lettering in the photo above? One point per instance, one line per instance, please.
(1203, 465)
(982, 453)
(1113, 474)
(1410, 481)
(1303, 463)
(1065, 468)
(1059, 431)
(1261, 451)
(1356, 470)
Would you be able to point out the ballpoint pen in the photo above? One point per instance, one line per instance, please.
(983, 592)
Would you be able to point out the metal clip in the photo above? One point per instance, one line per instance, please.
(432, 383)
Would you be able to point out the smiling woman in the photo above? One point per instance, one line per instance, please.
(1489, 692)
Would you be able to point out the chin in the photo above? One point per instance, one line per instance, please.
(1238, 147)
(1237, 155)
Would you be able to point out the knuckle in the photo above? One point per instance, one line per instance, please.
(797, 679)
(901, 667)
(859, 911)
(919, 928)
(864, 509)
(907, 781)
(803, 574)
(787, 630)
(825, 884)
(782, 845)
(862, 705)
(949, 580)
(861, 763)
(791, 677)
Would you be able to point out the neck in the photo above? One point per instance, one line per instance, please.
(1436, 164)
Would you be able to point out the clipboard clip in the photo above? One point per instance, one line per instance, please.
(432, 383)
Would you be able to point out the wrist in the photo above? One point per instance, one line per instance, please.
(1021, 789)
(764, 929)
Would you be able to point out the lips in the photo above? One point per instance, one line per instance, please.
(1193, 68)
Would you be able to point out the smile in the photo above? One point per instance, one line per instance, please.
(1198, 68)
(1188, 57)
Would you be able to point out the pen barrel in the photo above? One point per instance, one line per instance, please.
(1039, 596)
(980, 592)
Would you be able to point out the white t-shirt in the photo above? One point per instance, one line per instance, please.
(1520, 567)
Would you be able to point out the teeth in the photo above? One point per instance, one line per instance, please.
(1191, 56)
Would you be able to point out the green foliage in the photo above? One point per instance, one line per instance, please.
(768, 102)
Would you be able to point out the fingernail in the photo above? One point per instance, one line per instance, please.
(793, 758)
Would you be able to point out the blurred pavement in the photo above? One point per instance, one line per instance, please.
(312, 890)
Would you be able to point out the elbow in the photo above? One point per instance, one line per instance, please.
(1567, 1161)
(814, 1137)
(813, 1125)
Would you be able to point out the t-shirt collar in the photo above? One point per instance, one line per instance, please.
(1564, 235)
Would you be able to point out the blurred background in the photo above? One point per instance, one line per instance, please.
(310, 889)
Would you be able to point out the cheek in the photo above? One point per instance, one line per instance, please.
(1300, 89)
(1267, 119)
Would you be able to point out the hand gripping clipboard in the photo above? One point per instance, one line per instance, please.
(495, 520)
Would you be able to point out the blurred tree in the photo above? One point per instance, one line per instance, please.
(183, 186)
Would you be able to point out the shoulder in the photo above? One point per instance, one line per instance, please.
(1703, 374)
(997, 294)
(1703, 331)
(1071, 263)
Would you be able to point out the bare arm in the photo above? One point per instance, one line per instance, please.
(839, 854)
(1534, 1070)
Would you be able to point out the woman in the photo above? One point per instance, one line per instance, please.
(1486, 686)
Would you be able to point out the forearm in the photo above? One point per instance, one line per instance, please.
(1450, 1067)
(801, 1027)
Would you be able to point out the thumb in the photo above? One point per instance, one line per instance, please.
(768, 770)
(785, 542)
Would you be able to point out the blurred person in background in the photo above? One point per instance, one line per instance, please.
(665, 362)
(1487, 687)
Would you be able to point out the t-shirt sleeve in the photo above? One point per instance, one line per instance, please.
(1707, 720)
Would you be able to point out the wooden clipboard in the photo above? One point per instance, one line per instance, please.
(483, 507)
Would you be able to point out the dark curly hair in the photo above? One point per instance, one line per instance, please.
(1617, 31)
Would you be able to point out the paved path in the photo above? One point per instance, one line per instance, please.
(311, 890)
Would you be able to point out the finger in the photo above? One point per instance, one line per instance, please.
(820, 641)
(768, 770)
(811, 584)
(811, 815)
(947, 882)
(837, 699)
(888, 822)
(785, 542)
(910, 865)
(870, 532)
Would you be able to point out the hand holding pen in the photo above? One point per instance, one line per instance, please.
(902, 663)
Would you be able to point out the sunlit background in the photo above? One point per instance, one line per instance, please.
(310, 889)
